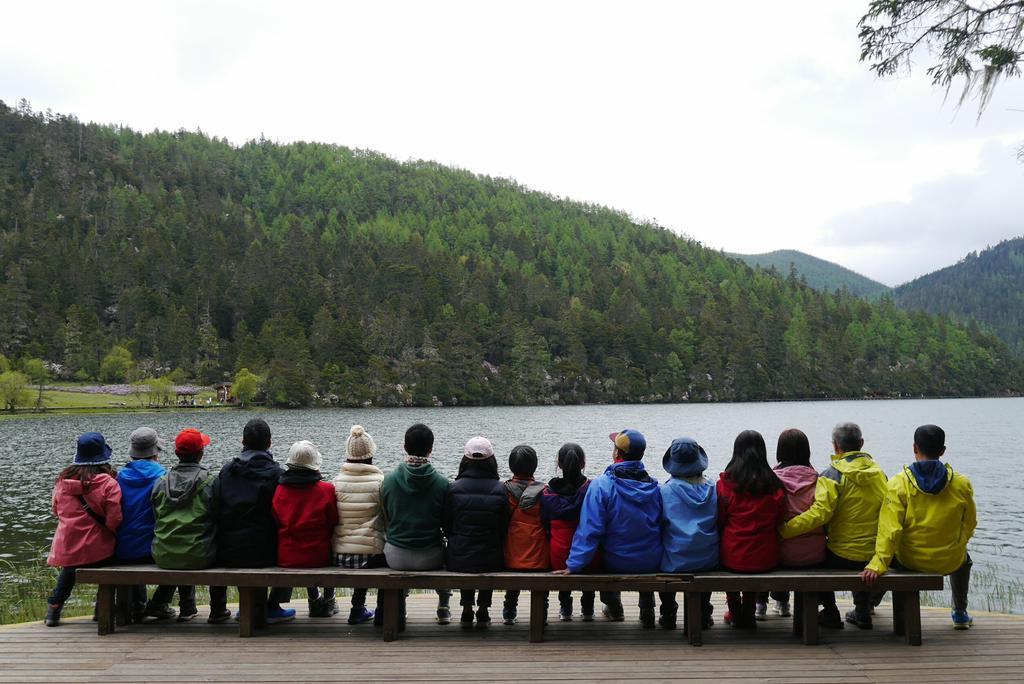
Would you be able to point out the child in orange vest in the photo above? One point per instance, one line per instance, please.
(526, 545)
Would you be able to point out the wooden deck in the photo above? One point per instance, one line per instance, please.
(331, 651)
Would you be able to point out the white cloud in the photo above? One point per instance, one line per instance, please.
(747, 125)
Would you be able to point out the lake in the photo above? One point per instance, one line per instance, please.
(982, 437)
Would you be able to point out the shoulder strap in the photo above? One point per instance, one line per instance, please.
(95, 516)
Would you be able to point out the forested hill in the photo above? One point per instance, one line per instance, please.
(820, 274)
(342, 276)
(986, 287)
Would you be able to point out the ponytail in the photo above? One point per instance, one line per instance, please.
(572, 460)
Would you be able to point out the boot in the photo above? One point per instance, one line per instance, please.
(52, 618)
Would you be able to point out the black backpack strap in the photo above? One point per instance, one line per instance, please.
(95, 516)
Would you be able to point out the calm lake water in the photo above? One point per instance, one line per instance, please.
(983, 440)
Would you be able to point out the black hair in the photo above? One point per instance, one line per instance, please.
(190, 458)
(930, 440)
(749, 468)
(256, 434)
(522, 461)
(793, 448)
(571, 460)
(419, 440)
(490, 464)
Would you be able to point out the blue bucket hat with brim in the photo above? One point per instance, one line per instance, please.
(92, 450)
(685, 458)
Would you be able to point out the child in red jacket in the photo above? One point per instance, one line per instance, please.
(306, 512)
(751, 504)
(526, 544)
(87, 503)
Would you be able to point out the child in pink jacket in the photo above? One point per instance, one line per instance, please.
(799, 480)
(87, 503)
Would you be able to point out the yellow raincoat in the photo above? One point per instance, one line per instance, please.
(924, 531)
(847, 499)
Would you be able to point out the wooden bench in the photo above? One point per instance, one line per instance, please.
(805, 585)
(253, 583)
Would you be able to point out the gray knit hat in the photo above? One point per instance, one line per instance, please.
(360, 445)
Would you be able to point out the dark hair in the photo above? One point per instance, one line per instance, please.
(522, 461)
(419, 440)
(749, 468)
(793, 448)
(930, 440)
(256, 434)
(490, 464)
(190, 458)
(571, 460)
(848, 437)
(84, 473)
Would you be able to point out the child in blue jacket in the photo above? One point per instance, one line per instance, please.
(690, 525)
(135, 535)
(621, 516)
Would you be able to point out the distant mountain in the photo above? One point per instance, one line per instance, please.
(822, 275)
(986, 287)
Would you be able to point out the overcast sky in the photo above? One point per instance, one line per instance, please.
(750, 126)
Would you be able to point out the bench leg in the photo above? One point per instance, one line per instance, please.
(538, 613)
(809, 617)
(248, 607)
(392, 610)
(898, 614)
(106, 622)
(798, 613)
(912, 617)
(692, 608)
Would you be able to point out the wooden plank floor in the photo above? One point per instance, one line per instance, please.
(331, 651)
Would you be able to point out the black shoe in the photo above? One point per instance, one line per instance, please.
(160, 611)
(613, 613)
(861, 619)
(647, 618)
(187, 612)
(483, 619)
(667, 621)
(830, 618)
(466, 621)
(53, 611)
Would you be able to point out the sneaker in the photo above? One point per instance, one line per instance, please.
(761, 611)
(782, 609)
(359, 614)
(322, 608)
(508, 615)
(466, 621)
(444, 615)
(861, 619)
(187, 612)
(829, 617)
(613, 614)
(483, 619)
(727, 618)
(667, 621)
(961, 619)
(53, 611)
(217, 617)
(647, 618)
(588, 617)
(160, 611)
(276, 614)
(565, 614)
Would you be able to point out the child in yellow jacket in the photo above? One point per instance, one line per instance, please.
(926, 520)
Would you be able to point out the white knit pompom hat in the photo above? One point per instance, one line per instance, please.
(304, 454)
(360, 445)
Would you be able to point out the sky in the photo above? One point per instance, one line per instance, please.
(749, 126)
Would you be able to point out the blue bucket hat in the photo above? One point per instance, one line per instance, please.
(629, 442)
(92, 450)
(685, 458)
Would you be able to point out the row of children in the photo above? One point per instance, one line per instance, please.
(254, 514)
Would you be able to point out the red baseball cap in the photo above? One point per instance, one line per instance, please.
(190, 441)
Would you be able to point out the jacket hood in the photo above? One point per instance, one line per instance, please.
(566, 487)
(300, 477)
(182, 480)
(931, 476)
(858, 466)
(414, 479)
(254, 464)
(526, 492)
(632, 481)
(796, 477)
(77, 487)
(140, 473)
(692, 495)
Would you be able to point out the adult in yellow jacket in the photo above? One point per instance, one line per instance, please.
(847, 498)
(926, 520)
